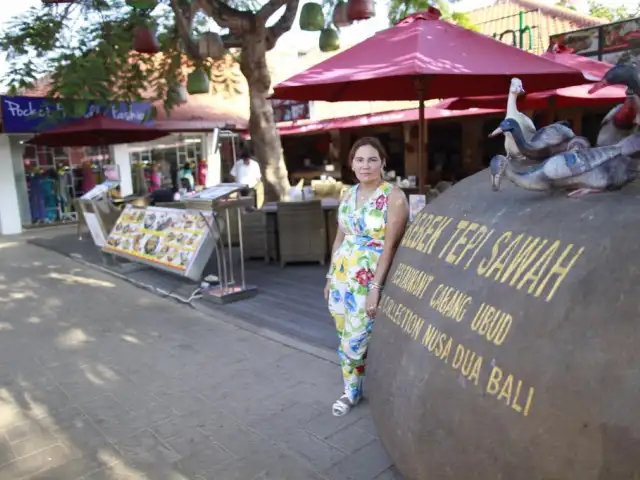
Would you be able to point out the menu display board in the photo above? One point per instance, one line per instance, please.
(169, 238)
(217, 191)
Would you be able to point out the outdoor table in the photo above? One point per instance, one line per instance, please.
(330, 208)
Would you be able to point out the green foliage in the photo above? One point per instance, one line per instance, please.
(399, 9)
(83, 50)
(611, 13)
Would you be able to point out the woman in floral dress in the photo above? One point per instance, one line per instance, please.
(371, 220)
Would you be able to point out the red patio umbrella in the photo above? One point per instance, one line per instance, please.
(421, 58)
(575, 96)
(96, 131)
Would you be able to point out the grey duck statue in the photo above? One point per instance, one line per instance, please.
(583, 171)
(623, 119)
(546, 142)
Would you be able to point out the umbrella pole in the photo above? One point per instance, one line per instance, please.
(421, 172)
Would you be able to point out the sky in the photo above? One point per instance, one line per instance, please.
(305, 40)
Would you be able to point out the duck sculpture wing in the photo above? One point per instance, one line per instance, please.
(618, 123)
(571, 164)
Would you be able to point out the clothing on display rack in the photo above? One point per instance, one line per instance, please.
(88, 178)
(140, 186)
(186, 177)
(36, 198)
(154, 180)
(50, 202)
(202, 172)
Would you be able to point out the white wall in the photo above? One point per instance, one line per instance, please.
(214, 162)
(120, 156)
(9, 207)
(20, 177)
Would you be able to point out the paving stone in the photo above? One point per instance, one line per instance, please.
(146, 447)
(365, 464)
(350, 439)
(35, 463)
(151, 390)
(194, 441)
(366, 425)
(73, 469)
(6, 453)
(390, 474)
(35, 438)
(325, 424)
(201, 461)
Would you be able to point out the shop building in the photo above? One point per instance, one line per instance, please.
(39, 184)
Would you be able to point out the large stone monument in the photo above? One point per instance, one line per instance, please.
(507, 344)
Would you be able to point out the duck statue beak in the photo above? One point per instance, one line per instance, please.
(598, 86)
(496, 132)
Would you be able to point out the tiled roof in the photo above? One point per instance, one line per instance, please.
(545, 20)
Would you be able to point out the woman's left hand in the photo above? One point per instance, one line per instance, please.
(371, 302)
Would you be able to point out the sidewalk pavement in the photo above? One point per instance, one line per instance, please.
(101, 380)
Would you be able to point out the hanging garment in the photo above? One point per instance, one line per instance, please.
(50, 203)
(88, 178)
(202, 173)
(352, 268)
(36, 198)
(64, 187)
(187, 175)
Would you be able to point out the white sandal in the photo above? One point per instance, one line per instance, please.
(343, 405)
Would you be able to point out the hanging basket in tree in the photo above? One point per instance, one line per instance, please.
(340, 16)
(329, 40)
(210, 45)
(361, 9)
(143, 4)
(144, 40)
(311, 17)
(198, 82)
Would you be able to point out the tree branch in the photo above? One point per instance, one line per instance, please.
(185, 13)
(232, 41)
(269, 9)
(285, 22)
(237, 21)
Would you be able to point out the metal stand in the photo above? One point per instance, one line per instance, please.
(228, 290)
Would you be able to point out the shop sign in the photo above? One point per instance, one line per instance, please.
(34, 114)
(291, 110)
(517, 36)
(615, 43)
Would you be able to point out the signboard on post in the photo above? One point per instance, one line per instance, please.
(616, 43)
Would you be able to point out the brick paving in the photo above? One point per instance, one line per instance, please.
(100, 380)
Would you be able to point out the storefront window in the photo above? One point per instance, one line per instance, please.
(175, 162)
(55, 177)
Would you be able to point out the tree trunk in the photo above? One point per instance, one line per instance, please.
(262, 126)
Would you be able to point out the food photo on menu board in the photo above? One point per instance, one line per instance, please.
(167, 237)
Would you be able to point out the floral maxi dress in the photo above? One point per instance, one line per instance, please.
(353, 267)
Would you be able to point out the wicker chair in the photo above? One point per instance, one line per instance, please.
(302, 235)
(254, 235)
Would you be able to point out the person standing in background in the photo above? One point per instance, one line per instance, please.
(247, 171)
